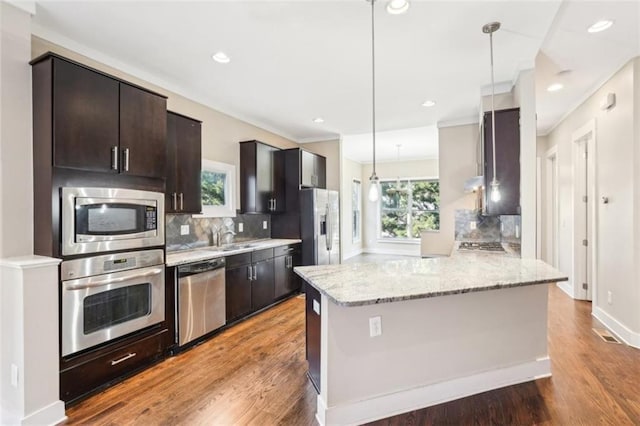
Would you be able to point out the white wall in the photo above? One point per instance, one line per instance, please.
(350, 171)
(391, 170)
(618, 169)
(457, 163)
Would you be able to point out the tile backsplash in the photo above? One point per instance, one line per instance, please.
(200, 229)
(487, 228)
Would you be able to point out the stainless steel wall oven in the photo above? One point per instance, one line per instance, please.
(109, 296)
(97, 220)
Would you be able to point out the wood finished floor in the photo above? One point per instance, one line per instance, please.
(254, 374)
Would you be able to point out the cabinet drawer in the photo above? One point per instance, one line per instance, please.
(238, 260)
(288, 249)
(260, 255)
(110, 366)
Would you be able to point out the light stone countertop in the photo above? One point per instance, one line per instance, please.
(182, 257)
(396, 280)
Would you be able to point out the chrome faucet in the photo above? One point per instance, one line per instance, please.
(218, 234)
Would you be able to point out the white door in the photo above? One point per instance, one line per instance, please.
(582, 252)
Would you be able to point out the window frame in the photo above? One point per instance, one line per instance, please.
(229, 207)
(403, 240)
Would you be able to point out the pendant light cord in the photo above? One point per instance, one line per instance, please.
(373, 85)
(493, 111)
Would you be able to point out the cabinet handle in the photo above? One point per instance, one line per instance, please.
(126, 159)
(250, 273)
(114, 158)
(124, 358)
(287, 262)
(174, 201)
(255, 273)
(181, 201)
(275, 204)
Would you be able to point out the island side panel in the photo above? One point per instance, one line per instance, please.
(431, 351)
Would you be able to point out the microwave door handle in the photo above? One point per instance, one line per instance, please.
(100, 283)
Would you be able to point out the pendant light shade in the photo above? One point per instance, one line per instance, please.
(374, 181)
(491, 28)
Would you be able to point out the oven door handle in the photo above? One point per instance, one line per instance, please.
(107, 281)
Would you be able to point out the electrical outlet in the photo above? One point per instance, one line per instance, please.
(472, 225)
(240, 227)
(14, 375)
(184, 229)
(375, 326)
(264, 224)
(609, 298)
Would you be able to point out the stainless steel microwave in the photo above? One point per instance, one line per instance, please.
(96, 220)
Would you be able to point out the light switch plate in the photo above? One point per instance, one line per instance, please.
(375, 326)
(184, 229)
(240, 227)
(264, 224)
(14, 375)
(472, 225)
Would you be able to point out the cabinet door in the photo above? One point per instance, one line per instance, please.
(188, 167)
(143, 132)
(507, 161)
(307, 169)
(264, 178)
(85, 118)
(281, 275)
(320, 171)
(171, 187)
(262, 287)
(238, 291)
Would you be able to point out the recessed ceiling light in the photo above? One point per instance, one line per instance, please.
(554, 87)
(318, 120)
(396, 7)
(600, 26)
(429, 103)
(221, 57)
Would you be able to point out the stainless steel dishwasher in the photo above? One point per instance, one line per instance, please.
(201, 299)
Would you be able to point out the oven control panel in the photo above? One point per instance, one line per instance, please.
(104, 264)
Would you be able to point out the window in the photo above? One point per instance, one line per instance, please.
(408, 207)
(217, 184)
(356, 193)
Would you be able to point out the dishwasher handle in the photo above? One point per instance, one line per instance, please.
(200, 267)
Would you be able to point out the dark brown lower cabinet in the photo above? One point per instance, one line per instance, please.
(287, 281)
(262, 285)
(238, 291)
(313, 316)
(98, 369)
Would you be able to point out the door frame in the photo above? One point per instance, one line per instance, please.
(588, 132)
(552, 209)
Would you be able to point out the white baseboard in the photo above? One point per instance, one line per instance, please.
(628, 336)
(566, 287)
(52, 414)
(384, 406)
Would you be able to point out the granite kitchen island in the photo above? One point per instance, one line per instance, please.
(449, 327)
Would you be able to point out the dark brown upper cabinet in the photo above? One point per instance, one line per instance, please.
(184, 164)
(100, 123)
(313, 168)
(259, 187)
(296, 165)
(507, 161)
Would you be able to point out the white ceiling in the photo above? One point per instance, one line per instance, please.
(297, 60)
(417, 143)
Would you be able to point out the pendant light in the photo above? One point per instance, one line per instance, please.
(374, 181)
(398, 189)
(491, 28)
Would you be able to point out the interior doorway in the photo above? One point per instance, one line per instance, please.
(584, 212)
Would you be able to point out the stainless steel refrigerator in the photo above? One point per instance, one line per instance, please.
(320, 226)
